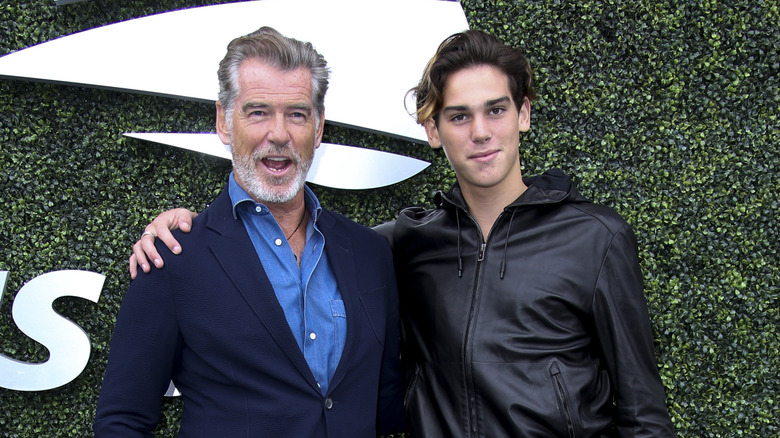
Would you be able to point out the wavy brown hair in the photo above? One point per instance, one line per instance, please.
(470, 49)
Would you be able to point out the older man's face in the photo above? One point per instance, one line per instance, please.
(274, 132)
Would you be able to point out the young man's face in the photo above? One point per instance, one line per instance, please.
(479, 128)
(274, 130)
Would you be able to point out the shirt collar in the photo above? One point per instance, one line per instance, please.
(238, 196)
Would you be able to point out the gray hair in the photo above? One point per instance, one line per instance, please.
(273, 48)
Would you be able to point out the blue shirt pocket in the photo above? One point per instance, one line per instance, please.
(337, 308)
(339, 329)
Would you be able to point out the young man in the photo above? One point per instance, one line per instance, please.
(281, 319)
(521, 301)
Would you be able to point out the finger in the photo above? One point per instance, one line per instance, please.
(183, 219)
(140, 257)
(167, 238)
(149, 251)
(133, 267)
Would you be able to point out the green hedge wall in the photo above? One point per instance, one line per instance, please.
(666, 110)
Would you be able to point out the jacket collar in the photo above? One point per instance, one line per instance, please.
(551, 187)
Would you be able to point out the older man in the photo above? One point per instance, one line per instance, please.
(282, 318)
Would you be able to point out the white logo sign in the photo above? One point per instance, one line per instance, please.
(67, 343)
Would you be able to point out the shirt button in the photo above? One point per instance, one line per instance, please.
(259, 209)
(278, 242)
(312, 336)
(328, 403)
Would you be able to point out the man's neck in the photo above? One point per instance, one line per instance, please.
(487, 203)
(289, 212)
(291, 217)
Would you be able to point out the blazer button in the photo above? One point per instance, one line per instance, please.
(328, 403)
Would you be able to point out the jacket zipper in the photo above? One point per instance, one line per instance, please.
(481, 252)
(564, 401)
(467, 342)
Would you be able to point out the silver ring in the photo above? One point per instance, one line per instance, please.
(148, 233)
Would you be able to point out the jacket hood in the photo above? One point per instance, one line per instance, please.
(551, 187)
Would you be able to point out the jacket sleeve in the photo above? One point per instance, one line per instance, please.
(140, 362)
(390, 409)
(625, 335)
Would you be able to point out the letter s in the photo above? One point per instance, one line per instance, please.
(68, 344)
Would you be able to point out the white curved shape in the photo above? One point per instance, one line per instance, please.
(356, 168)
(67, 343)
(336, 166)
(206, 143)
(374, 59)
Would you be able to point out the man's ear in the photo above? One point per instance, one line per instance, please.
(432, 131)
(222, 130)
(320, 130)
(524, 116)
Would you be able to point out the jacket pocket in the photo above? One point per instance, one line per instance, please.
(565, 406)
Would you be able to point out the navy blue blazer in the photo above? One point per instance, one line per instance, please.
(209, 320)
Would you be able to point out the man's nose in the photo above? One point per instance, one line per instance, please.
(480, 130)
(279, 133)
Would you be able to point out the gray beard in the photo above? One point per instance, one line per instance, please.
(272, 190)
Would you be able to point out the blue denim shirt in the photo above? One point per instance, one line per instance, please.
(309, 296)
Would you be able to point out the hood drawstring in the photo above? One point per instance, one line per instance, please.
(460, 259)
(506, 243)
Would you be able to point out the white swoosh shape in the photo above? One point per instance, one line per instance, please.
(374, 59)
(337, 166)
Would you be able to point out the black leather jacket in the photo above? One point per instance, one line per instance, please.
(541, 331)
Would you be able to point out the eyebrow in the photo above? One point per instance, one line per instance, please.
(488, 103)
(504, 99)
(253, 105)
(303, 106)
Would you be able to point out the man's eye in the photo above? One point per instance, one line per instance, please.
(497, 110)
(257, 113)
(298, 117)
(458, 118)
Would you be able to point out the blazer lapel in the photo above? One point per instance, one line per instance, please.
(338, 248)
(236, 255)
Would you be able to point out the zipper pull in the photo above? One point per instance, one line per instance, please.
(481, 252)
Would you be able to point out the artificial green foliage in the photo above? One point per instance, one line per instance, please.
(666, 111)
